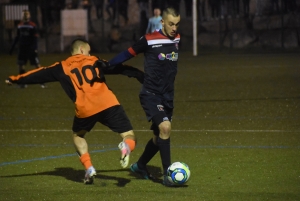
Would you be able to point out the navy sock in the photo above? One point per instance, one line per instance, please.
(150, 150)
(165, 153)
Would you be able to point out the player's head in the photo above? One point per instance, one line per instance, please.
(26, 15)
(80, 46)
(156, 12)
(170, 22)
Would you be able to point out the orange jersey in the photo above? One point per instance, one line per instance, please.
(75, 75)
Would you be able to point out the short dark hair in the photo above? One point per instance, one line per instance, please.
(76, 43)
(170, 11)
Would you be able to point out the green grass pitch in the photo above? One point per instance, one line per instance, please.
(236, 124)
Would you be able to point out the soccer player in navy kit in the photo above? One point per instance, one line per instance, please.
(27, 37)
(156, 96)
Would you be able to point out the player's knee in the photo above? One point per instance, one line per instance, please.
(165, 129)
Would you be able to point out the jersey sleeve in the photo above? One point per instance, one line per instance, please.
(126, 70)
(138, 47)
(39, 75)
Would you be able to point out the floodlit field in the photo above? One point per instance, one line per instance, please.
(236, 124)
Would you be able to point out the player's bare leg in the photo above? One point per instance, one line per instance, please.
(81, 147)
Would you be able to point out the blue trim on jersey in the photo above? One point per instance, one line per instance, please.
(120, 58)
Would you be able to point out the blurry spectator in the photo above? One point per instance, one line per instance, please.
(289, 5)
(111, 5)
(99, 8)
(86, 4)
(45, 13)
(275, 7)
(114, 37)
(236, 8)
(154, 22)
(144, 6)
(223, 8)
(123, 7)
(201, 10)
(215, 8)
(258, 8)
(71, 4)
(246, 7)
(56, 6)
(232, 8)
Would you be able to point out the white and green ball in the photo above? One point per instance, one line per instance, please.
(178, 173)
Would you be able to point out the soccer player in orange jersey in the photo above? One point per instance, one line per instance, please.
(82, 78)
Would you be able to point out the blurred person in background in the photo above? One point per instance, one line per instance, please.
(27, 37)
(154, 22)
(99, 8)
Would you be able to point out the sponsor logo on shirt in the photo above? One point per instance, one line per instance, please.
(170, 56)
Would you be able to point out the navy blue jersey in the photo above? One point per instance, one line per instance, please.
(27, 34)
(160, 65)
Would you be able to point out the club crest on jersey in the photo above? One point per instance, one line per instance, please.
(173, 56)
(160, 107)
(176, 45)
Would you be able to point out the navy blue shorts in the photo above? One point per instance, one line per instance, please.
(156, 108)
(27, 54)
(114, 118)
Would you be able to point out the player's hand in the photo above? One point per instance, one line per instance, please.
(140, 77)
(101, 63)
(8, 82)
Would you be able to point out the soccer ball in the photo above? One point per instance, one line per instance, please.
(178, 173)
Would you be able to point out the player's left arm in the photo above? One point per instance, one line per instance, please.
(36, 76)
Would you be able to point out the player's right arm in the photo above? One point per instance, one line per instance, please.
(139, 47)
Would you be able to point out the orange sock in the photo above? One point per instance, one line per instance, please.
(86, 160)
(130, 143)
